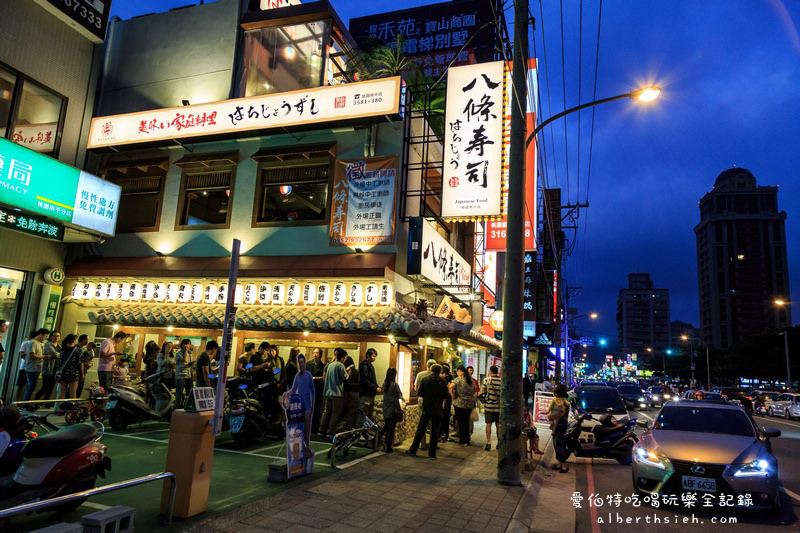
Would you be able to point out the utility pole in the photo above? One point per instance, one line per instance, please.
(510, 451)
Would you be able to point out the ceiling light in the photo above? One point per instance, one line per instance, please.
(290, 53)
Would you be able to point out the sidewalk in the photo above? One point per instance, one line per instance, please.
(399, 493)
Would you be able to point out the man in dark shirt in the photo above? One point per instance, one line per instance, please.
(203, 363)
(433, 392)
(444, 435)
(368, 387)
(259, 372)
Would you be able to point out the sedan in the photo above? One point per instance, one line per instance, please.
(633, 396)
(710, 450)
(785, 405)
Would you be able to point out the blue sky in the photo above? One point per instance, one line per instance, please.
(730, 70)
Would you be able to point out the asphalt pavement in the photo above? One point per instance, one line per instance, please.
(607, 478)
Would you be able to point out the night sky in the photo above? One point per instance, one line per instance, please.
(730, 71)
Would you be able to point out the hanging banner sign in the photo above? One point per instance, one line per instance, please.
(364, 193)
(430, 255)
(309, 106)
(473, 147)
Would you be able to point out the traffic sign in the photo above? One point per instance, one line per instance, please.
(587, 341)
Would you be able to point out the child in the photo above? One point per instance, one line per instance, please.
(529, 429)
(121, 376)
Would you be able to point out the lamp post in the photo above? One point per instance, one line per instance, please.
(570, 371)
(785, 333)
(686, 338)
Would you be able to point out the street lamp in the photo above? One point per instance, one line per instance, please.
(780, 303)
(685, 337)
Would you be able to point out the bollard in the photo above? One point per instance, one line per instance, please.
(189, 456)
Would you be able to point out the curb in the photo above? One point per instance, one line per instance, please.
(523, 513)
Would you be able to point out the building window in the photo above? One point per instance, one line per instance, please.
(30, 114)
(284, 58)
(142, 185)
(206, 195)
(297, 192)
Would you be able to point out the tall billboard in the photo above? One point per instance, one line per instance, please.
(434, 35)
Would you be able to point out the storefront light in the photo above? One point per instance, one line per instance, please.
(305, 333)
(170, 328)
(428, 340)
(115, 326)
(445, 343)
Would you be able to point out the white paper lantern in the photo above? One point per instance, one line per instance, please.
(210, 296)
(114, 291)
(340, 294)
(172, 292)
(387, 294)
(371, 294)
(135, 292)
(278, 294)
(356, 294)
(160, 292)
(323, 294)
(222, 293)
(197, 293)
(147, 291)
(265, 294)
(125, 291)
(77, 291)
(293, 294)
(88, 291)
(238, 294)
(101, 292)
(250, 294)
(309, 293)
(184, 293)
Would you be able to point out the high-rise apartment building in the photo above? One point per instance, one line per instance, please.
(741, 260)
(643, 316)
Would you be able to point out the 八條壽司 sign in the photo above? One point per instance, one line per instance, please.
(473, 147)
(362, 212)
(312, 106)
(430, 255)
(43, 185)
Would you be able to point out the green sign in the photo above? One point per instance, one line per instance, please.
(48, 305)
(39, 226)
(45, 186)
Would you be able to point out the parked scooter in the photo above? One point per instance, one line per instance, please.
(609, 438)
(256, 412)
(127, 406)
(65, 461)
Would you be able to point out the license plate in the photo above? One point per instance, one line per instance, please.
(111, 404)
(236, 423)
(699, 483)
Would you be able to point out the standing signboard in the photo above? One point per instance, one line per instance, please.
(299, 458)
(541, 403)
(473, 147)
(364, 192)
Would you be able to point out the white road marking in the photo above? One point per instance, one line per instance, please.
(135, 438)
(644, 415)
(359, 460)
(790, 493)
(768, 421)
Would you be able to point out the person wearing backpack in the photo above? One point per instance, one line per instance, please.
(490, 398)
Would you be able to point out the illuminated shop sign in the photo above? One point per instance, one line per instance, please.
(473, 147)
(430, 255)
(311, 106)
(289, 293)
(43, 185)
(41, 227)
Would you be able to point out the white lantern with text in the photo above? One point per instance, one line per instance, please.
(265, 294)
(278, 294)
(135, 292)
(323, 294)
(147, 291)
(309, 293)
(222, 293)
(184, 293)
(371, 294)
(77, 291)
(210, 294)
(387, 294)
(88, 291)
(101, 292)
(160, 292)
(293, 294)
(125, 291)
(197, 293)
(356, 294)
(340, 294)
(114, 291)
(250, 294)
(172, 292)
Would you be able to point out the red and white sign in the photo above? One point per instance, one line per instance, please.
(324, 104)
(37, 137)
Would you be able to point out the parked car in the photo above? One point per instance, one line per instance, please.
(706, 396)
(785, 405)
(707, 449)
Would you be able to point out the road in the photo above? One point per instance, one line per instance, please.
(605, 478)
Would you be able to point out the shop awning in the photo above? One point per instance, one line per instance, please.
(287, 318)
(295, 266)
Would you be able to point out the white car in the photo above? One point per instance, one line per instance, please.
(785, 405)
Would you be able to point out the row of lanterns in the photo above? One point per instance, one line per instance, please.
(340, 293)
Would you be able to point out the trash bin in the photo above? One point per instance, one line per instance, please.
(189, 456)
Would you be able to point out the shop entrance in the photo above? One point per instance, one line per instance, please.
(14, 287)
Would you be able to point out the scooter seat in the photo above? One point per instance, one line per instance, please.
(602, 430)
(61, 442)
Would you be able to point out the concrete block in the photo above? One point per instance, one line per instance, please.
(117, 519)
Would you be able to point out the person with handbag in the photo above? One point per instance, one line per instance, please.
(392, 410)
(558, 414)
(71, 368)
(462, 389)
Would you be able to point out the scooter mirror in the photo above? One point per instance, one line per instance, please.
(211, 376)
(242, 386)
(248, 366)
(276, 371)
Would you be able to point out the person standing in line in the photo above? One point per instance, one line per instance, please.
(278, 363)
(109, 350)
(491, 407)
(3, 329)
(86, 358)
(316, 367)
(367, 387)
(183, 372)
(392, 411)
(444, 433)
(241, 363)
(260, 372)
(69, 371)
(463, 392)
(150, 358)
(351, 391)
(34, 358)
(434, 390)
(49, 366)
(203, 363)
(291, 367)
(166, 364)
(82, 355)
(558, 414)
(527, 389)
(417, 383)
(303, 386)
(471, 372)
(333, 393)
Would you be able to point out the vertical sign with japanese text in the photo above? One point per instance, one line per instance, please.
(364, 191)
(473, 148)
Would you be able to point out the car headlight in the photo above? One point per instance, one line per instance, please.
(676, 397)
(757, 468)
(641, 399)
(655, 396)
(646, 456)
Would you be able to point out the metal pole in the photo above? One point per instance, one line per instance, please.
(708, 366)
(509, 453)
(691, 357)
(788, 369)
(227, 338)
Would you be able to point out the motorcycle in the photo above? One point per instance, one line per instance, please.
(255, 412)
(128, 405)
(609, 438)
(61, 462)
